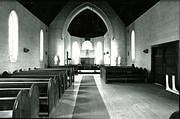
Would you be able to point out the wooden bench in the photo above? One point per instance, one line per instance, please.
(48, 90)
(59, 79)
(123, 73)
(19, 103)
(68, 73)
(61, 75)
(68, 68)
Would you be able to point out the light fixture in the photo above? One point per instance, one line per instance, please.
(146, 51)
(25, 50)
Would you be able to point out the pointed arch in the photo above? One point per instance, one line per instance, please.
(133, 45)
(41, 44)
(13, 36)
(93, 8)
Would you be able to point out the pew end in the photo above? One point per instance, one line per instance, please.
(34, 103)
(21, 108)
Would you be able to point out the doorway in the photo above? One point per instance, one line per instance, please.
(164, 61)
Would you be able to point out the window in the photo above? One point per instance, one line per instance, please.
(41, 44)
(133, 45)
(13, 36)
(56, 60)
(87, 45)
(75, 52)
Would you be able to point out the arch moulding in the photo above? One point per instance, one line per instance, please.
(95, 9)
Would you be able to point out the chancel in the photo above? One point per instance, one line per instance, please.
(90, 59)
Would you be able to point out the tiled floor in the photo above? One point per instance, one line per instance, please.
(124, 100)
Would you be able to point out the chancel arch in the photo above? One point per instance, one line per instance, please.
(93, 8)
(100, 13)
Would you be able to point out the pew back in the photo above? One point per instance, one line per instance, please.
(16, 107)
(123, 73)
(46, 88)
(59, 75)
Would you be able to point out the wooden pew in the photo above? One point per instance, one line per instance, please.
(40, 76)
(48, 91)
(61, 75)
(67, 80)
(19, 103)
(68, 72)
(69, 68)
(123, 73)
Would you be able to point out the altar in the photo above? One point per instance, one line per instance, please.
(87, 61)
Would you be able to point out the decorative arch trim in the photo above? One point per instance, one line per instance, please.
(95, 9)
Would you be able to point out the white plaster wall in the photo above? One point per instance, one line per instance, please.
(29, 30)
(56, 29)
(158, 25)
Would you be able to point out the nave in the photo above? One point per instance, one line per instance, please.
(90, 59)
(121, 100)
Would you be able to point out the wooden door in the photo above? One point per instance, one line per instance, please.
(164, 61)
(158, 65)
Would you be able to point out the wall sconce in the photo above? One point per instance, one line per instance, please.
(25, 50)
(146, 51)
(105, 53)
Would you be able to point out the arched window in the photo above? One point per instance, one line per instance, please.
(133, 45)
(75, 53)
(13, 36)
(87, 45)
(56, 60)
(41, 44)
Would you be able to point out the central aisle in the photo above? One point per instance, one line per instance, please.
(89, 103)
(81, 100)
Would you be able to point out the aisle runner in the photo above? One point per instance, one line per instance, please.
(89, 103)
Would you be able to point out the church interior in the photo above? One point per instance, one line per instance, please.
(90, 59)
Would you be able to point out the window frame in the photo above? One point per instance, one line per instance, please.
(133, 45)
(13, 35)
(41, 45)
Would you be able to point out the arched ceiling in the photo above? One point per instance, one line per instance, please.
(128, 10)
(87, 24)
